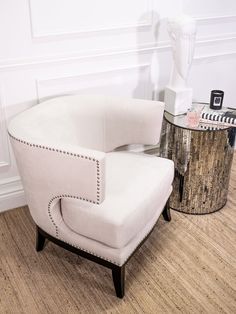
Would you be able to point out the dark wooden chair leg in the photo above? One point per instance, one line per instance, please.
(166, 212)
(40, 240)
(118, 275)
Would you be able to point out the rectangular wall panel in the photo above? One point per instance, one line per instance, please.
(57, 17)
(218, 27)
(130, 82)
(214, 72)
(209, 7)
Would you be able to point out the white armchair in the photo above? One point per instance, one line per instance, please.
(82, 195)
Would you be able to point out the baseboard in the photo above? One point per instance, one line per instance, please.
(11, 194)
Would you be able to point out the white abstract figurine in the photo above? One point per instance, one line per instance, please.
(182, 31)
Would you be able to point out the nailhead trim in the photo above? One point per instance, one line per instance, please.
(87, 251)
(98, 181)
(61, 196)
(54, 149)
(71, 196)
(82, 249)
(146, 234)
(57, 232)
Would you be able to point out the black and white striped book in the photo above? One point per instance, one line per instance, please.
(224, 116)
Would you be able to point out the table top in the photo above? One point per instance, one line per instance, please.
(181, 121)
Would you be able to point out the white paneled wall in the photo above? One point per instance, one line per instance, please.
(56, 47)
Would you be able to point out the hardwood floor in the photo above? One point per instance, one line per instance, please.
(186, 266)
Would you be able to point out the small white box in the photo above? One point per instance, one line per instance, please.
(178, 101)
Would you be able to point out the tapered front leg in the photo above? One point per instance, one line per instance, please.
(166, 212)
(40, 240)
(118, 275)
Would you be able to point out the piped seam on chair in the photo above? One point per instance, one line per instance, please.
(145, 236)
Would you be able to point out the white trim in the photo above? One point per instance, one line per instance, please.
(209, 40)
(11, 194)
(51, 60)
(63, 35)
(162, 46)
(5, 154)
(4, 164)
(55, 78)
(215, 56)
(112, 70)
(215, 19)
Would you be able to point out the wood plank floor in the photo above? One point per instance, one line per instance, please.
(186, 266)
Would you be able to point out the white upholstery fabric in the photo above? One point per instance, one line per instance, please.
(94, 122)
(116, 256)
(61, 150)
(135, 184)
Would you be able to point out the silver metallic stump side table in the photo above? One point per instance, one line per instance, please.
(203, 157)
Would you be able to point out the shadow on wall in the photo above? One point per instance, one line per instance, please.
(147, 86)
(152, 87)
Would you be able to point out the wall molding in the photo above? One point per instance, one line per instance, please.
(148, 23)
(87, 74)
(11, 194)
(215, 19)
(212, 57)
(4, 152)
(76, 57)
(163, 46)
(217, 39)
(55, 78)
(76, 33)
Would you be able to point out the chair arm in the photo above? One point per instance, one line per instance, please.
(132, 121)
(63, 170)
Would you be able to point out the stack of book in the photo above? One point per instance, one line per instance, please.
(225, 116)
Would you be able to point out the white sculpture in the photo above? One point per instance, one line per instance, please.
(182, 31)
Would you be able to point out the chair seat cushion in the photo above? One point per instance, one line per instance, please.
(136, 185)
